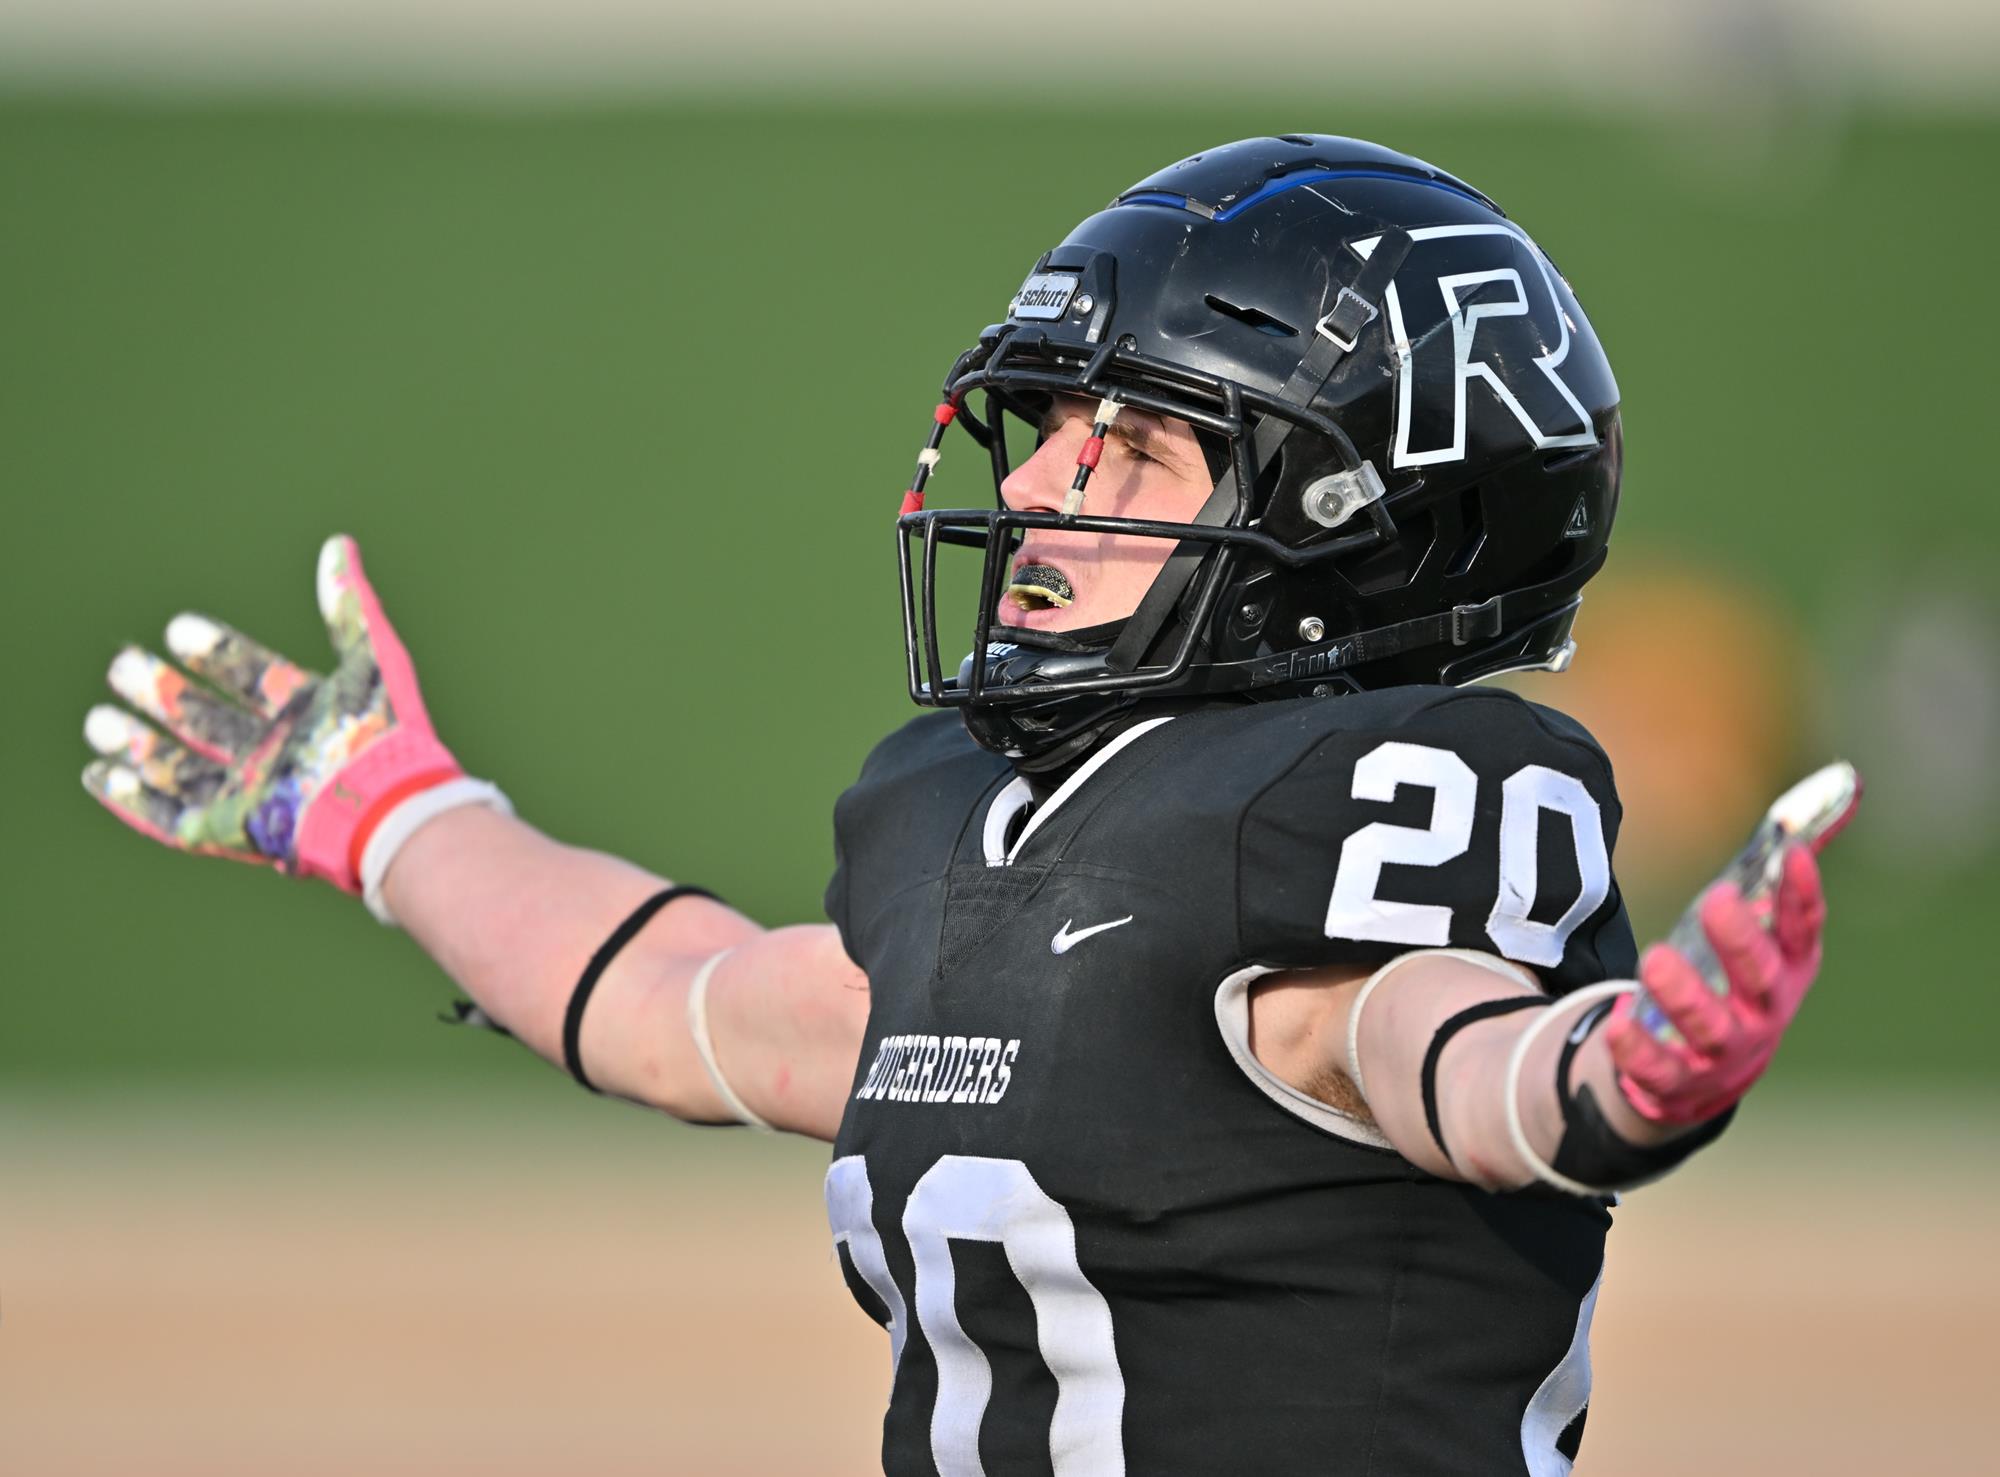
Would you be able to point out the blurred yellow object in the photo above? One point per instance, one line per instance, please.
(1694, 684)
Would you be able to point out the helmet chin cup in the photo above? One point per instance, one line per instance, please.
(1016, 669)
(1381, 515)
(1044, 736)
(1005, 642)
(1041, 735)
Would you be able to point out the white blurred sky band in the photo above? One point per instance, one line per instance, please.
(1613, 51)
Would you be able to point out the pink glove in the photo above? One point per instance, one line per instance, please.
(1727, 1040)
(269, 762)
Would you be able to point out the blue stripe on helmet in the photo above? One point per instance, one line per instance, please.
(1297, 181)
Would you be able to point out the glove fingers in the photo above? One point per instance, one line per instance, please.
(1801, 912)
(163, 765)
(159, 788)
(1698, 1013)
(206, 724)
(361, 631)
(246, 670)
(1819, 843)
(337, 585)
(118, 788)
(348, 605)
(1660, 1081)
(1658, 1070)
(165, 817)
(1749, 955)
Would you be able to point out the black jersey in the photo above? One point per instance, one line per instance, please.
(1102, 1238)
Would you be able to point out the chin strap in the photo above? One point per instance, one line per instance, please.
(1462, 625)
(1165, 591)
(1355, 306)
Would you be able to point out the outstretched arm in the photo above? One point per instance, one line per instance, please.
(513, 916)
(1473, 1074)
(339, 775)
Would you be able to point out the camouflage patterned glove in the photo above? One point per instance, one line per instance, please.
(322, 776)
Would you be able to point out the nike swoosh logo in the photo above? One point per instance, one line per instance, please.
(1064, 940)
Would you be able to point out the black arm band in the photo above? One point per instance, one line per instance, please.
(1591, 1151)
(1471, 1015)
(607, 951)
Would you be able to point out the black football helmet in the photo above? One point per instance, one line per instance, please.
(1413, 429)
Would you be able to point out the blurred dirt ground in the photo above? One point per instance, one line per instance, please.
(263, 1285)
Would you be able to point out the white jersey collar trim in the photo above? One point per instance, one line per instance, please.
(1016, 796)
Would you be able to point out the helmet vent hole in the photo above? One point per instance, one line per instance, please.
(1392, 568)
(1257, 318)
(1472, 537)
(1562, 461)
(1295, 138)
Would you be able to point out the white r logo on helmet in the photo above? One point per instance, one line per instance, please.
(1502, 320)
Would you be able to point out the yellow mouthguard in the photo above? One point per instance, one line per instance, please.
(1025, 594)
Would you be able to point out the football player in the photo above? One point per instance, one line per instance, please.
(1225, 1024)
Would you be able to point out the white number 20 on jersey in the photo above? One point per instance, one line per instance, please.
(1356, 912)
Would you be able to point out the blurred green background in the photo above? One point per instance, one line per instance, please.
(619, 398)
